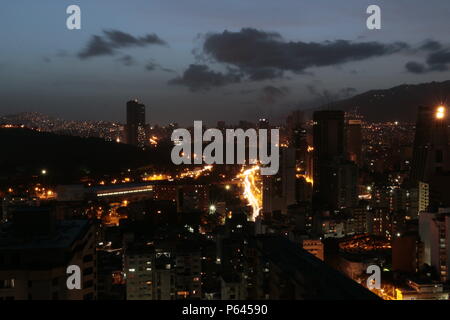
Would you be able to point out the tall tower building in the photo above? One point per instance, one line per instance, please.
(328, 135)
(135, 128)
(431, 144)
(353, 140)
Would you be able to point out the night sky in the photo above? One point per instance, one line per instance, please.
(212, 60)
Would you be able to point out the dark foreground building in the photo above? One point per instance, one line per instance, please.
(135, 128)
(294, 274)
(35, 252)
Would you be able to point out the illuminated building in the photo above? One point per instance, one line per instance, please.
(434, 230)
(315, 247)
(163, 271)
(424, 196)
(418, 290)
(139, 265)
(359, 217)
(380, 222)
(119, 192)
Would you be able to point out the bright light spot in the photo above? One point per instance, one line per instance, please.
(440, 112)
(252, 192)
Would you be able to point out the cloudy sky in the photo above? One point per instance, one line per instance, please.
(212, 60)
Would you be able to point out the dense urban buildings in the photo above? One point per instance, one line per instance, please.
(349, 195)
(206, 155)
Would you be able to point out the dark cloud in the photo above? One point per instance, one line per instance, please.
(415, 67)
(153, 66)
(199, 77)
(271, 94)
(258, 74)
(266, 55)
(97, 46)
(431, 45)
(438, 61)
(111, 40)
(121, 39)
(127, 60)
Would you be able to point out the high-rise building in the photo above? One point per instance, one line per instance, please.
(288, 176)
(431, 145)
(424, 196)
(294, 121)
(279, 191)
(139, 267)
(407, 253)
(353, 140)
(36, 250)
(164, 271)
(434, 230)
(135, 128)
(328, 134)
(347, 179)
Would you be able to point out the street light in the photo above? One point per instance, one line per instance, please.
(44, 172)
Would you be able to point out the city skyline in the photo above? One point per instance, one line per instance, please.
(185, 70)
(225, 154)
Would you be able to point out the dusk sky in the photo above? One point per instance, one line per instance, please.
(212, 60)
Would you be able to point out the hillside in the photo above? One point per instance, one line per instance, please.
(26, 152)
(398, 103)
